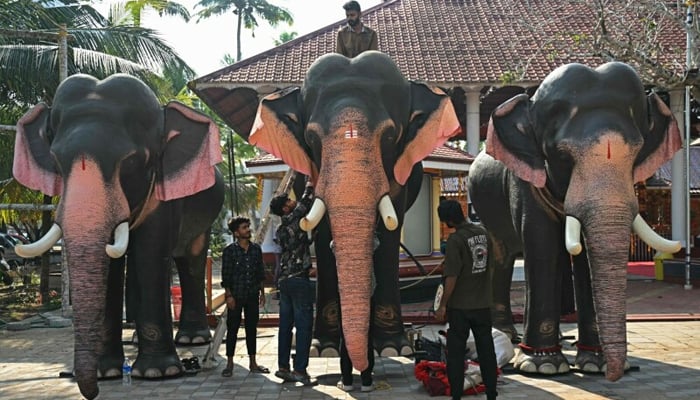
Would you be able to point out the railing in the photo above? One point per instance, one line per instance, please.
(640, 251)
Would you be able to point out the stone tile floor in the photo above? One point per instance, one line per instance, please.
(665, 347)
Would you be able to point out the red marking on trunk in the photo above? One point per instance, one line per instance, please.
(608, 149)
(83, 161)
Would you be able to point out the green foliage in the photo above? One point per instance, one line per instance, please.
(25, 301)
(285, 37)
(29, 50)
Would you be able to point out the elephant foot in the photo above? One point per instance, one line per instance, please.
(545, 361)
(157, 366)
(324, 347)
(110, 366)
(393, 346)
(590, 359)
(192, 336)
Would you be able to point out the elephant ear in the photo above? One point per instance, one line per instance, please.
(33, 164)
(661, 142)
(277, 127)
(432, 121)
(511, 140)
(190, 152)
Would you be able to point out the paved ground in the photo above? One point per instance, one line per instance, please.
(666, 353)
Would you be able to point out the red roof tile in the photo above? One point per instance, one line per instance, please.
(455, 44)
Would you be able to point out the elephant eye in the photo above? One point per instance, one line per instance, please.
(130, 164)
(292, 117)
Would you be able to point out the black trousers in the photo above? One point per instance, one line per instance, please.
(346, 364)
(479, 321)
(250, 307)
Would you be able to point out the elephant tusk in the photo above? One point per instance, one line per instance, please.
(121, 241)
(40, 246)
(572, 236)
(653, 239)
(386, 210)
(318, 209)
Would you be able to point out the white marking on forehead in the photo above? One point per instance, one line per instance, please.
(93, 96)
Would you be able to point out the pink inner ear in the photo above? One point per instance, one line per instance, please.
(273, 136)
(199, 174)
(522, 170)
(666, 150)
(25, 168)
(441, 125)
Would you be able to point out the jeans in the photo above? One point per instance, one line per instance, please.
(296, 310)
(479, 321)
(250, 306)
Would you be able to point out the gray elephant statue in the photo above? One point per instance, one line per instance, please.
(138, 182)
(359, 130)
(556, 183)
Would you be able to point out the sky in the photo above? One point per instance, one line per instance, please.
(203, 45)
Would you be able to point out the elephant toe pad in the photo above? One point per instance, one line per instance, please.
(540, 362)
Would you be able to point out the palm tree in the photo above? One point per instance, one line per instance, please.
(162, 7)
(246, 12)
(29, 51)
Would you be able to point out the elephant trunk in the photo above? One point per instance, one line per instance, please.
(349, 168)
(607, 245)
(353, 251)
(88, 276)
(89, 211)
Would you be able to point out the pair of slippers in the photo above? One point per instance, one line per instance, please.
(228, 372)
(191, 365)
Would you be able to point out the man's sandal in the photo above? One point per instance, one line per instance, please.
(227, 372)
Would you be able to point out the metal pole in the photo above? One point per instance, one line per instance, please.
(688, 62)
(66, 308)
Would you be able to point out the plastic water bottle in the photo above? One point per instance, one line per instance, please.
(126, 372)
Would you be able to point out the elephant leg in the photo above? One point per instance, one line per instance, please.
(568, 304)
(388, 334)
(501, 311)
(540, 351)
(326, 337)
(193, 327)
(112, 356)
(150, 261)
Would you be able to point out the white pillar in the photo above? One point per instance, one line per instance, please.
(472, 121)
(678, 187)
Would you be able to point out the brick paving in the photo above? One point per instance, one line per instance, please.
(667, 355)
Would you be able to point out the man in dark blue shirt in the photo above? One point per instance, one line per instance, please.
(242, 275)
(296, 293)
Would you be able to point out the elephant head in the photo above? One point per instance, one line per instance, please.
(356, 127)
(586, 136)
(113, 154)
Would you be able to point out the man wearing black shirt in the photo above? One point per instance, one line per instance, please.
(296, 293)
(466, 299)
(242, 274)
